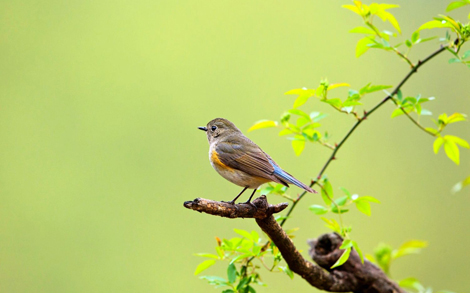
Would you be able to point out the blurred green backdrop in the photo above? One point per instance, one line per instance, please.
(99, 104)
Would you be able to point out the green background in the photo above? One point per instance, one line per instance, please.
(99, 104)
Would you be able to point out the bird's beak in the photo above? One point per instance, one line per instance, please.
(203, 128)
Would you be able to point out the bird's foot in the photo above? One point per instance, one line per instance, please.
(232, 202)
(250, 203)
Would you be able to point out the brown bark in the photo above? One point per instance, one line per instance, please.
(352, 276)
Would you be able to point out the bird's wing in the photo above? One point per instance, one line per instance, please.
(242, 154)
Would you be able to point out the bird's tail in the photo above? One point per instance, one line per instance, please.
(284, 176)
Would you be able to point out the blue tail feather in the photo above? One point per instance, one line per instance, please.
(284, 176)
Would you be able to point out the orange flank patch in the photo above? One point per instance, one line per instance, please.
(215, 160)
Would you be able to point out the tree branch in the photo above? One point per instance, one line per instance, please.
(352, 276)
(259, 208)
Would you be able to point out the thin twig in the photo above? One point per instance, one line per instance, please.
(366, 114)
(413, 120)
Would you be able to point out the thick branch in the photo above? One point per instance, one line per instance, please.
(335, 281)
(368, 277)
(353, 276)
(259, 208)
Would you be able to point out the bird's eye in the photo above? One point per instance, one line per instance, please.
(214, 128)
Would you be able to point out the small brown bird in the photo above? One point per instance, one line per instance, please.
(239, 160)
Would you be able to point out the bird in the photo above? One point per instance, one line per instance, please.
(242, 162)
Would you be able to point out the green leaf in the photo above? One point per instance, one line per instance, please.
(392, 20)
(434, 24)
(415, 37)
(461, 142)
(363, 206)
(368, 198)
(343, 258)
(452, 151)
(301, 121)
(243, 282)
(204, 265)
(304, 95)
(363, 45)
(346, 244)
(334, 102)
(243, 233)
(409, 247)
(411, 283)
(215, 280)
(263, 124)
(373, 88)
(285, 132)
(327, 192)
(341, 201)
(432, 130)
(299, 113)
(353, 8)
(298, 146)
(318, 209)
(228, 291)
(437, 144)
(454, 60)
(456, 117)
(348, 194)
(336, 85)
(332, 224)
(457, 4)
(254, 236)
(287, 271)
(399, 111)
(358, 250)
(231, 273)
(466, 54)
(457, 187)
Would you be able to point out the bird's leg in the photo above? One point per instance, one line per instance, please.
(249, 200)
(233, 200)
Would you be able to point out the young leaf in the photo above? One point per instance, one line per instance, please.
(335, 85)
(285, 132)
(363, 206)
(231, 273)
(204, 265)
(263, 124)
(415, 37)
(434, 24)
(452, 151)
(358, 250)
(457, 4)
(343, 258)
(299, 113)
(298, 146)
(363, 45)
(327, 192)
(437, 144)
(318, 209)
(332, 224)
(411, 283)
(243, 233)
(287, 271)
(461, 142)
